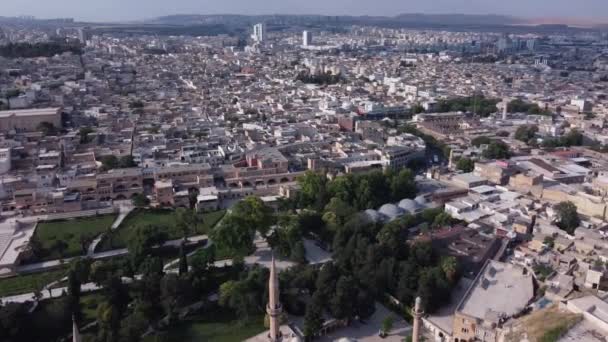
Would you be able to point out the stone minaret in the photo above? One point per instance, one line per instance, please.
(417, 313)
(274, 308)
(75, 333)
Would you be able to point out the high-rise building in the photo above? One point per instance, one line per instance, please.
(259, 32)
(306, 38)
(531, 44)
(84, 35)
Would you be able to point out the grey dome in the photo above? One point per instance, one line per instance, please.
(408, 205)
(391, 211)
(421, 200)
(373, 215)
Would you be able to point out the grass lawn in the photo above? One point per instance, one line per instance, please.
(89, 303)
(29, 282)
(546, 325)
(70, 232)
(220, 325)
(164, 218)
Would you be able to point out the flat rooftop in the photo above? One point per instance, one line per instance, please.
(444, 318)
(500, 289)
(29, 112)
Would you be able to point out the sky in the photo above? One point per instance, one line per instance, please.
(120, 10)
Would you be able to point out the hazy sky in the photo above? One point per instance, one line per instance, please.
(115, 10)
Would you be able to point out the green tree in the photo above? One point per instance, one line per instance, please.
(140, 200)
(234, 235)
(183, 260)
(47, 128)
(141, 241)
(465, 165)
(393, 235)
(109, 162)
(365, 304)
(442, 220)
(403, 185)
(482, 140)
(449, 265)
(84, 134)
(313, 319)
(344, 188)
(253, 212)
(60, 246)
(74, 292)
(125, 162)
(567, 217)
(187, 221)
(497, 150)
(336, 213)
(526, 132)
(174, 295)
(387, 325)
(313, 190)
(342, 303)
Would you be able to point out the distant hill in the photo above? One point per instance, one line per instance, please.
(458, 19)
(409, 18)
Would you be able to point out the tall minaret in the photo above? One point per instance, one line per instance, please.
(417, 313)
(274, 308)
(75, 333)
(505, 109)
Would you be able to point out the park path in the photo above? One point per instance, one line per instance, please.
(261, 256)
(46, 265)
(123, 212)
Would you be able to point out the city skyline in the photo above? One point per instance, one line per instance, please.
(134, 9)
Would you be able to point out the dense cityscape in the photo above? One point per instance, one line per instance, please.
(303, 178)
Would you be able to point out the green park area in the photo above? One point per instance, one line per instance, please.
(67, 238)
(28, 282)
(166, 219)
(221, 325)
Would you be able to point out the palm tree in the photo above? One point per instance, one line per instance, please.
(449, 265)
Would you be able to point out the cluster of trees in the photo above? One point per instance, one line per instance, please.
(567, 217)
(478, 104)
(573, 138)
(51, 320)
(29, 50)
(339, 294)
(84, 134)
(519, 106)
(113, 162)
(248, 295)
(526, 133)
(156, 299)
(465, 164)
(236, 232)
(47, 129)
(287, 239)
(496, 149)
(323, 79)
(353, 192)
(372, 260)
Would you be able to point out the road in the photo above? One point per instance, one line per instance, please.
(123, 212)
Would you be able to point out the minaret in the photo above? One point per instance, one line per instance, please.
(417, 313)
(505, 109)
(75, 333)
(274, 308)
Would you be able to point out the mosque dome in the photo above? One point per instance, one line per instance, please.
(391, 211)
